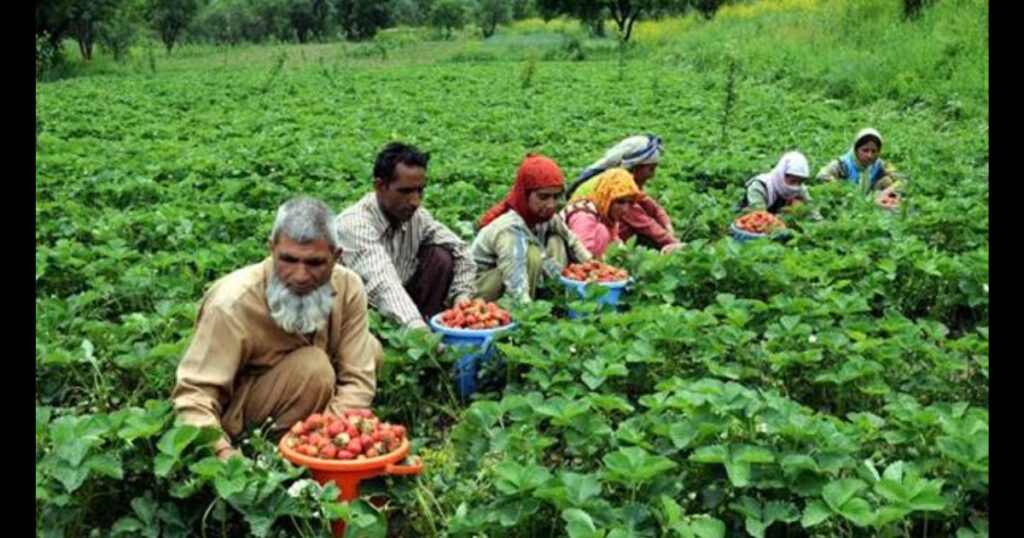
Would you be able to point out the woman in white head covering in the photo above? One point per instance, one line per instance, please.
(862, 165)
(781, 187)
(646, 219)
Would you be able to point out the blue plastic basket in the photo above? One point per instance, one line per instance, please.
(478, 347)
(743, 235)
(611, 298)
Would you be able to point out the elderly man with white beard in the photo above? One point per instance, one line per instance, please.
(280, 339)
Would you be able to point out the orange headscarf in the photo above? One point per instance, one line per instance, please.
(536, 172)
(612, 184)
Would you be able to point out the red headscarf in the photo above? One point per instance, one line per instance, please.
(536, 172)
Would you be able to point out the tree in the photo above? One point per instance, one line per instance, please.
(170, 17)
(361, 19)
(269, 20)
(589, 12)
(86, 17)
(707, 8)
(308, 18)
(448, 15)
(625, 13)
(411, 12)
(912, 8)
(117, 33)
(53, 24)
(491, 13)
(522, 9)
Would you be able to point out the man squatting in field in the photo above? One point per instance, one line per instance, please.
(411, 264)
(280, 339)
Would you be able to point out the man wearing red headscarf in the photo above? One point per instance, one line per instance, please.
(523, 235)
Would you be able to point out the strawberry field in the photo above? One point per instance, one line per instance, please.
(834, 385)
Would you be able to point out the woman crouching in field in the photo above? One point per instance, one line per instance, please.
(863, 167)
(781, 188)
(523, 236)
(595, 218)
(645, 219)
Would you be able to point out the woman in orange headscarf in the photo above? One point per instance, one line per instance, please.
(595, 217)
(524, 236)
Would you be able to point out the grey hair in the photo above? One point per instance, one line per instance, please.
(304, 220)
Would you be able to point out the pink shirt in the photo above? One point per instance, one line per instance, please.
(591, 232)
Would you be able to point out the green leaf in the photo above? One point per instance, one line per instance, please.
(780, 511)
(788, 322)
(755, 526)
(42, 419)
(634, 464)
(513, 479)
(858, 511)
(894, 472)
(579, 524)
(483, 414)
(794, 463)
(126, 525)
(718, 270)
(70, 477)
(580, 488)
(174, 441)
(752, 454)
(814, 513)
(892, 491)
(683, 433)
(368, 522)
(610, 402)
(706, 527)
(145, 508)
(838, 492)
(889, 514)
(162, 465)
(671, 510)
(929, 501)
(106, 465)
(738, 472)
(709, 454)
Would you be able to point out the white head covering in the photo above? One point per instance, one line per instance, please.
(641, 149)
(793, 163)
(867, 132)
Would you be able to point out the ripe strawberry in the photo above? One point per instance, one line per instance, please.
(315, 421)
(328, 451)
(334, 428)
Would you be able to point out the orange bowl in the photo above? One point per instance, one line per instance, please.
(366, 464)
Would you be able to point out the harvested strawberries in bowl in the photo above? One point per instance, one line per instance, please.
(354, 435)
(595, 271)
(759, 222)
(476, 314)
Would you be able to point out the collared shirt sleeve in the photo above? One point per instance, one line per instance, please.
(435, 233)
(641, 223)
(757, 197)
(356, 354)
(363, 252)
(510, 246)
(658, 213)
(832, 171)
(206, 374)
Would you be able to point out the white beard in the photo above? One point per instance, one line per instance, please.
(298, 314)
